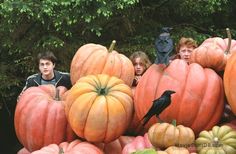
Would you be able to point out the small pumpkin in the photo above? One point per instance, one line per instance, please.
(221, 139)
(76, 147)
(91, 59)
(163, 135)
(99, 107)
(40, 118)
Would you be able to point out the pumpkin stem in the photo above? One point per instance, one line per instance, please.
(112, 46)
(215, 142)
(61, 151)
(229, 40)
(102, 91)
(57, 97)
(173, 122)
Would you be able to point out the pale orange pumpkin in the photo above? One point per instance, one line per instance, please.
(91, 59)
(40, 117)
(163, 135)
(99, 107)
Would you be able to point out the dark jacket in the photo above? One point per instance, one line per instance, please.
(62, 79)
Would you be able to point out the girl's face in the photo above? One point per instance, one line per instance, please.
(185, 52)
(139, 66)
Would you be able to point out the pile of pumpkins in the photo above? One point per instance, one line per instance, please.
(101, 110)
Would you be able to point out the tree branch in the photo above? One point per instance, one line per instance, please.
(197, 27)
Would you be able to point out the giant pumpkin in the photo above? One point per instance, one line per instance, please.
(198, 102)
(229, 82)
(99, 107)
(97, 59)
(40, 117)
(214, 52)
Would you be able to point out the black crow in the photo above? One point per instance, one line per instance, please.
(158, 106)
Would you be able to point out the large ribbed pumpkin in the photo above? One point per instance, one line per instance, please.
(198, 102)
(99, 107)
(92, 59)
(214, 52)
(229, 82)
(40, 118)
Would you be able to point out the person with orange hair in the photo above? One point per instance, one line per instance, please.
(184, 48)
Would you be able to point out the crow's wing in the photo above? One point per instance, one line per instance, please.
(151, 112)
(157, 107)
(160, 104)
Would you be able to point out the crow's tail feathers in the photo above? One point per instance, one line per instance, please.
(145, 120)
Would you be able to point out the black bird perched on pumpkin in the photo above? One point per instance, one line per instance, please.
(158, 106)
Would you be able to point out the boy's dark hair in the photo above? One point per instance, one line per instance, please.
(48, 55)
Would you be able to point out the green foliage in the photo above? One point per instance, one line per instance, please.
(62, 26)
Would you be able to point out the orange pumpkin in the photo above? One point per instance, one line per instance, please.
(229, 82)
(91, 59)
(40, 118)
(164, 135)
(99, 107)
(199, 99)
(214, 52)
